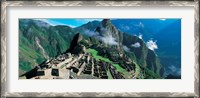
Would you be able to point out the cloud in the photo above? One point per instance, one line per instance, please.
(72, 26)
(53, 22)
(172, 68)
(152, 45)
(175, 70)
(106, 36)
(69, 22)
(109, 40)
(50, 22)
(140, 24)
(140, 35)
(40, 19)
(42, 22)
(45, 20)
(103, 30)
(124, 27)
(136, 45)
(83, 21)
(162, 19)
(91, 33)
(126, 48)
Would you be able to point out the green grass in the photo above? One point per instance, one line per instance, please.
(120, 69)
(109, 75)
(28, 58)
(25, 66)
(28, 52)
(95, 55)
(117, 66)
(137, 70)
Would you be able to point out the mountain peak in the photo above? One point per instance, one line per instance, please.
(106, 22)
(77, 38)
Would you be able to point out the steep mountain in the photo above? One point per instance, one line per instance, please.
(115, 45)
(39, 41)
(147, 27)
(87, 28)
(100, 50)
(166, 33)
(144, 56)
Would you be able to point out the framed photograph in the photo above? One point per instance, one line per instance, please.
(100, 49)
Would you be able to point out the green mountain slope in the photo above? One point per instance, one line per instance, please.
(39, 41)
(113, 49)
(129, 55)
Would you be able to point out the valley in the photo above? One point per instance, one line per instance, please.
(97, 50)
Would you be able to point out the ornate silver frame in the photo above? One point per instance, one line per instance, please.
(5, 4)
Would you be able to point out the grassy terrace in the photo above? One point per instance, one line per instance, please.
(137, 70)
(117, 66)
(109, 75)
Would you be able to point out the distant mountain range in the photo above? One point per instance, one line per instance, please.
(166, 33)
(112, 39)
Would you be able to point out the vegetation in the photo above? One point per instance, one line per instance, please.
(53, 39)
(109, 75)
(117, 66)
(137, 70)
(37, 39)
(149, 74)
(95, 55)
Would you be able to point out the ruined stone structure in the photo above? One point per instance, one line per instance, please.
(73, 66)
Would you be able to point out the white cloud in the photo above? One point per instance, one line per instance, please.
(87, 20)
(151, 45)
(40, 19)
(109, 40)
(172, 68)
(163, 19)
(136, 45)
(103, 30)
(124, 27)
(54, 23)
(70, 26)
(79, 21)
(175, 70)
(90, 33)
(50, 22)
(140, 36)
(42, 22)
(106, 36)
(126, 48)
(45, 20)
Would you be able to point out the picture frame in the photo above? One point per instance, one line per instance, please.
(5, 56)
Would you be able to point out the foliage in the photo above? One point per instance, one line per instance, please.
(53, 39)
(117, 66)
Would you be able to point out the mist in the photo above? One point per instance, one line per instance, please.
(152, 45)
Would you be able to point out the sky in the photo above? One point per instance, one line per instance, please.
(69, 22)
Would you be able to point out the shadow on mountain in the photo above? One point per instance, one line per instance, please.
(170, 76)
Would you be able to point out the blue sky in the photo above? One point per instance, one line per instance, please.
(69, 22)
